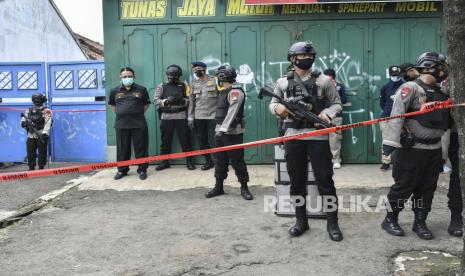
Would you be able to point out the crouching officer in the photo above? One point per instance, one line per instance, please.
(171, 99)
(130, 101)
(229, 131)
(319, 92)
(202, 108)
(37, 120)
(416, 145)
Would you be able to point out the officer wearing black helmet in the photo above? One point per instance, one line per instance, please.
(37, 120)
(229, 130)
(172, 99)
(415, 144)
(320, 93)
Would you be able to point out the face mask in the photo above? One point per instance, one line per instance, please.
(304, 64)
(173, 79)
(127, 82)
(441, 78)
(199, 73)
(395, 78)
(409, 78)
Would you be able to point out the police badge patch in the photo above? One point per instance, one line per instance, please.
(234, 95)
(405, 91)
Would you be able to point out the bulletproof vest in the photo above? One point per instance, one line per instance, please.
(36, 116)
(438, 119)
(317, 103)
(223, 107)
(176, 91)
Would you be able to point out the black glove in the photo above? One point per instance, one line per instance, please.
(23, 124)
(169, 101)
(190, 124)
(45, 137)
(387, 150)
(219, 134)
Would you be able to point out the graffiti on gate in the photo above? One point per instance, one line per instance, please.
(349, 71)
(72, 125)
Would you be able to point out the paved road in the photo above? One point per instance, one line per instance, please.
(152, 232)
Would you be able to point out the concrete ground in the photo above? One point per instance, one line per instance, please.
(165, 226)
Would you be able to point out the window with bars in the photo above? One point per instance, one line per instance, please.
(6, 80)
(87, 79)
(27, 80)
(64, 79)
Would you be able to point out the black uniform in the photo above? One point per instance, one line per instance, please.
(130, 123)
(230, 120)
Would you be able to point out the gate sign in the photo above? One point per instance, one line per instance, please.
(279, 2)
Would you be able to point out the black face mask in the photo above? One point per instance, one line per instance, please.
(439, 78)
(173, 79)
(408, 78)
(199, 73)
(304, 64)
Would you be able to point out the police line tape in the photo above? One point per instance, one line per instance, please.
(53, 110)
(429, 107)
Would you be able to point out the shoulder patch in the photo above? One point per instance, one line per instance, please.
(158, 88)
(405, 91)
(234, 94)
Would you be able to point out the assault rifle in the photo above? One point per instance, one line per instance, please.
(30, 127)
(296, 106)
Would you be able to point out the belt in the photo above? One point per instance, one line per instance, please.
(430, 141)
(174, 110)
(298, 124)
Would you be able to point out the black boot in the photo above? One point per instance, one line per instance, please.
(391, 224)
(190, 163)
(31, 168)
(332, 227)
(301, 224)
(456, 224)
(163, 165)
(419, 225)
(217, 190)
(208, 164)
(246, 194)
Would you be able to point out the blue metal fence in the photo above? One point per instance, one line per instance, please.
(76, 136)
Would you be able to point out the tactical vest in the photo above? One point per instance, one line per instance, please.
(438, 119)
(317, 103)
(223, 107)
(36, 116)
(176, 91)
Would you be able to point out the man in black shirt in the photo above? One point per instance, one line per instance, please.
(130, 101)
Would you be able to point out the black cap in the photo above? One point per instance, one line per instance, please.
(199, 63)
(405, 67)
(330, 72)
(394, 70)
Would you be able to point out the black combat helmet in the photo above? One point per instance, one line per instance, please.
(435, 61)
(38, 98)
(173, 72)
(302, 47)
(226, 73)
(430, 60)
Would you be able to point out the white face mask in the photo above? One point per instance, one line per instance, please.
(395, 78)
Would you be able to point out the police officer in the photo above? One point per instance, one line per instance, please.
(37, 120)
(229, 130)
(385, 102)
(202, 107)
(336, 137)
(417, 159)
(455, 203)
(171, 99)
(130, 101)
(408, 72)
(318, 91)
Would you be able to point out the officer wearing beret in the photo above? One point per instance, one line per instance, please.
(202, 108)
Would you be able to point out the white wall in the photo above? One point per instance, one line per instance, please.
(31, 30)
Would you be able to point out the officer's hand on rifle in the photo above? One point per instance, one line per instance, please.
(168, 101)
(45, 137)
(281, 110)
(324, 117)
